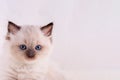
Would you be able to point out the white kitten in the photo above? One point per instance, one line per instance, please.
(28, 49)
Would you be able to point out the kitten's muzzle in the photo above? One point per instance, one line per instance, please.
(30, 53)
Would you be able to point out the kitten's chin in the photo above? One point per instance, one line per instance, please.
(30, 61)
(34, 60)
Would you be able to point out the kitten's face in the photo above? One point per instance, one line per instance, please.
(29, 43)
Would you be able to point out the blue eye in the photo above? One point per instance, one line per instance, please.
(23, 47)
(38, 47)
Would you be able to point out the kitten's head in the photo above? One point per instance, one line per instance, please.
(29, 43)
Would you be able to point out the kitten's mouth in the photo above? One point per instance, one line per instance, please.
(30, 57)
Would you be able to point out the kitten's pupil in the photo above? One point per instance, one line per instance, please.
(38, 47)
(23, 47)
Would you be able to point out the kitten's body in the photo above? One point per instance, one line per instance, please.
(36, 71)
(22, 64)
(21, 71)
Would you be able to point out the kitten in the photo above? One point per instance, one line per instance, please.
(29, 49)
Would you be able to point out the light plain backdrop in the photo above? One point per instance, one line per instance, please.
(86, 33)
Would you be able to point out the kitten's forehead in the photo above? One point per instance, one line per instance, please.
(30, 34)
(30, 29)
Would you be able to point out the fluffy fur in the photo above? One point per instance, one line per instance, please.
(21, 67)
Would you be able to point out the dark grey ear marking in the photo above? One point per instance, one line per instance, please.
(13, 28)
(47, 29)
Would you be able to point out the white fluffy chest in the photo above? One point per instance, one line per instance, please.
(28, 72)
(30, 76)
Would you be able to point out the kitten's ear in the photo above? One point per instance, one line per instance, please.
(47, 29)
(13, 28)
